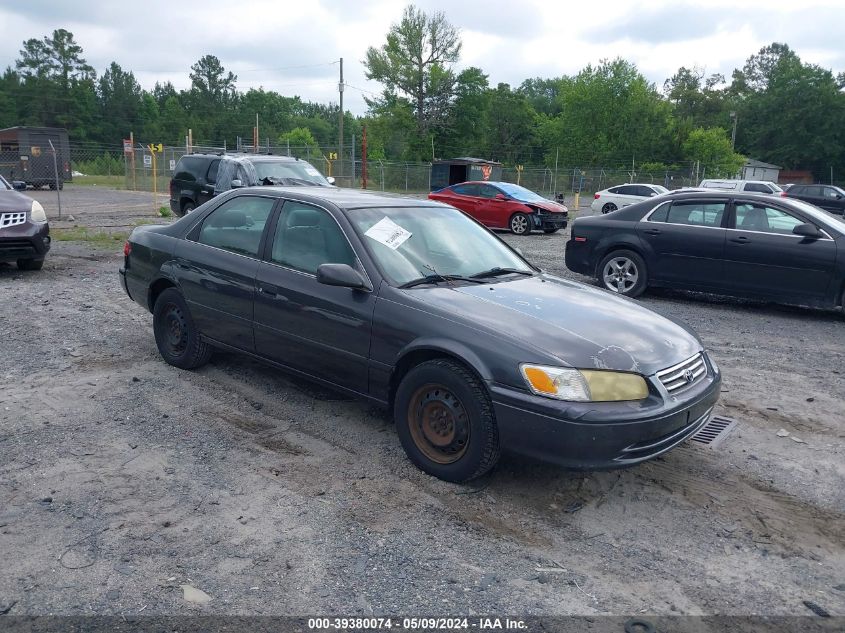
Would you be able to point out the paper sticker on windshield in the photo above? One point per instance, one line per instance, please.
(388, 233)
(311, 171)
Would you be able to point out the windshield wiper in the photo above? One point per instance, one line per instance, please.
(437, 278)
(498, 270)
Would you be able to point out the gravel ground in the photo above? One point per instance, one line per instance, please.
(122, 478)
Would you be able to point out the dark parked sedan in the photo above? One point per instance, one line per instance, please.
(415, 306)
(744, 244)
(24, 232)
(826, 197)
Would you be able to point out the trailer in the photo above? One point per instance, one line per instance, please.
(25, 154)
(450, 172)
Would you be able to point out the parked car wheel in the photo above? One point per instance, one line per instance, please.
(177, 337)
(520, 224)
(445, 421)
(550, 231)
(30, 264)
(187, 207)
(608, 207)
(624, 272)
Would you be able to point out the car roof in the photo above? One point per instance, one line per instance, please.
(344, 198)
(257, 158)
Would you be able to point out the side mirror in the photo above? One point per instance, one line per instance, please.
(19, 185)
(340, 275)
(500, 196)
(652, 194)
(236, 183)
(331, 180)
(807, 230)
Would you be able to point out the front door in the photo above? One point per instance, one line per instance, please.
(320, 330)
(764, 256)
(216, 268)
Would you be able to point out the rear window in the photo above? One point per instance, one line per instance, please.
(190, 168)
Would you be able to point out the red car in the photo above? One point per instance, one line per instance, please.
(503, 205)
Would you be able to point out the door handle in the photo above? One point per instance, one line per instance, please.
(740, 240)
(652, 231)
(268, 289)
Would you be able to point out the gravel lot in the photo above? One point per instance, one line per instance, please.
(122, 478)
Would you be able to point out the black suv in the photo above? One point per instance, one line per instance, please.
(199, 177)
(827, 197)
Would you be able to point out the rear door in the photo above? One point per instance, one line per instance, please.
(490, 210)
(685, 242)
(465, 197)
(628, 194)
(832, 199)
(763, 256)
(217, 264)
(206, 191)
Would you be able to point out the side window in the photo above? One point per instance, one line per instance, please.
(757, 187)
(645, 192)
(627, 190)
(830, 192)
(186, 168)
(759, 217)
(307, 237)
(211, 176)
(814, 190)
(486, 191)
(614, 189)
(661, 213)
(237, 225)
(797, 190)
(466, 190)
(696, 213)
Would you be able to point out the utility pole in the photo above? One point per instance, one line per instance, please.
(340, 122)
(364, 160)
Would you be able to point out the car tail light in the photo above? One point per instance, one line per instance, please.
(783, 194)
(127, 248)
(597, 196)
(580, 239)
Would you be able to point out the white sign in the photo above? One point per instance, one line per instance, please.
(172, 164)
(388, 233)
(148, 160)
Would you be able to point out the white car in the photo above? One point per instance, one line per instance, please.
(608, 200)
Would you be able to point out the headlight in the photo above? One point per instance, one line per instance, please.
(584, 385)
(37, 212)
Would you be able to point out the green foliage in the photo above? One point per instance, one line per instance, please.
(299, 137)
(165, 212)
(104, 165)
(711, 149)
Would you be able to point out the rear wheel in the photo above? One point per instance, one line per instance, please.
(30, 264)
(608, 207)
(187, 207)
(445, 421)
(623, 272)
(177, 337)
(520, 224)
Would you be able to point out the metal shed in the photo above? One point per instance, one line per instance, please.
(25, 154)
(455, 170)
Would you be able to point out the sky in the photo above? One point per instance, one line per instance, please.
(294, 47)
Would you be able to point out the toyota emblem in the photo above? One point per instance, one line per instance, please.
(688, 376)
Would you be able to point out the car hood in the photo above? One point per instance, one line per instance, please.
(14, 201)
(547, 205)
(582, 326)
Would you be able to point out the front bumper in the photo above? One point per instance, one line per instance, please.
(25, 241)
(599, 436)
(550, 220)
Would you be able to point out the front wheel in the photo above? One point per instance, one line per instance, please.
(623, 272)
(445, 421)
(30, 264)
(177, 337)
(520, 224)
(550, 231)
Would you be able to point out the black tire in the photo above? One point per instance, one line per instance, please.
(460, 418)
(628, 272)
(608, 207)
(30, 264)
(177, 337)
(187, 207)
(520, 224)
(550, 231)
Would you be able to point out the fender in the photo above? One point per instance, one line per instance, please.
(447, 346)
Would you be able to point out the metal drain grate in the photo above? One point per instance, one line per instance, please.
(714, 432)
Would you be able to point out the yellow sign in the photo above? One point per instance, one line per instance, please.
(35, 151)
(158, 148)
(332, 155)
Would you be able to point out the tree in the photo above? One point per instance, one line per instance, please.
(119, 102)
(509, 125)
(711, 149)
(416, 61)
(211, 83)
(300, 138)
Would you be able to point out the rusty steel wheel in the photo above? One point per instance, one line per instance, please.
(445, 420)
(438, 423)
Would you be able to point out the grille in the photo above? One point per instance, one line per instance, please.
(714, 431)
(683, 374)
(12, 219)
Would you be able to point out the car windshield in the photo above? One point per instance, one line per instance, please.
(833, 221)
(409, 243)
(3, 184)
(775, 187)
(520, 193)
(280, 171)
(660, 189)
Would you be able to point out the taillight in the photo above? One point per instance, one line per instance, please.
(127, 248)
(580, 239)
(783, 194)
(597, 196)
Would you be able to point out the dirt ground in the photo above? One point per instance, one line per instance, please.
(122, 478)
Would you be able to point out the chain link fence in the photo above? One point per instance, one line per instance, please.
(143, 170)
